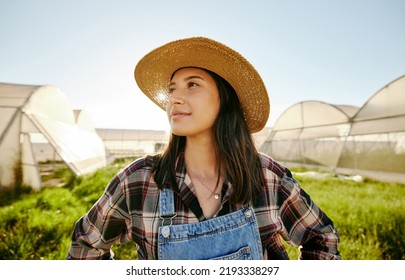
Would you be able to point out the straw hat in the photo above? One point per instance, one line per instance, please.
(153, 72)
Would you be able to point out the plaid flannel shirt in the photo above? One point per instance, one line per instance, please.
(129, 210)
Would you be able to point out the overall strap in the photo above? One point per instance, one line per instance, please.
(166, 206)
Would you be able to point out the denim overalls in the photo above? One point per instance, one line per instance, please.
(234, 236)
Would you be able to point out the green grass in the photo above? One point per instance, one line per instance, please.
(369, 215)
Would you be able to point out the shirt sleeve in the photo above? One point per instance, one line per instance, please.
(306, 224)
(106, 223)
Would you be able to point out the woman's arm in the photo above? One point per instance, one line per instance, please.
(106, 223)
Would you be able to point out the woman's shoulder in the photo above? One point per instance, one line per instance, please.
(142, 164)
(274, 166)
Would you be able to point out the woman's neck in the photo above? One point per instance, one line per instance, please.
(200, 156)
(202, 168)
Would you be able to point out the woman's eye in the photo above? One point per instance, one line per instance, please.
(170, 90)
(192, 84)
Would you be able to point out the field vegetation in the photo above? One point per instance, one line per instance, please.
(34, 225)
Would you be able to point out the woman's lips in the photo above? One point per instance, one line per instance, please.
(179, 114)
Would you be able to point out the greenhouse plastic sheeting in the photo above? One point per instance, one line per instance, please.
(344, 137)
(28, 110)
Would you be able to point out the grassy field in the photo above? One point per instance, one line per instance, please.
(369, 215)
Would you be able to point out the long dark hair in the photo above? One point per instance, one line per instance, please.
(234, 149)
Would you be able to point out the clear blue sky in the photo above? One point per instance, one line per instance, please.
(339, 52)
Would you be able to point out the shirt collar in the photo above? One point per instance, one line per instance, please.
(186, 190)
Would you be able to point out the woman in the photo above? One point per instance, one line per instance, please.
(210, 194)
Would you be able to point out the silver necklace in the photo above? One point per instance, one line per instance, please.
(216, 195)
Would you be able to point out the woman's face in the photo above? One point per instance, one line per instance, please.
(193, 102)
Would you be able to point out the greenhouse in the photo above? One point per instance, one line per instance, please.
(33, 114)
(122, 143)
(368, 141)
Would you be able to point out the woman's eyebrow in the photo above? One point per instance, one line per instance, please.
(193, 77)
(188, 78)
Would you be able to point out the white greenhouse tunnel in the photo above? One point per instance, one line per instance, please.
(369, 141)
(30, 113)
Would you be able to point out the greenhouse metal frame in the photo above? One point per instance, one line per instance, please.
(367, 141)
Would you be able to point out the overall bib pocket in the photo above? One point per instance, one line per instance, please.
(241, 254)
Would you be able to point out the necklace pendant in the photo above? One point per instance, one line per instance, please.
(216, 196)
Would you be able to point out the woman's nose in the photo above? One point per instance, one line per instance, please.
(176, 97)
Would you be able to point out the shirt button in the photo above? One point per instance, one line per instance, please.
(165, 231)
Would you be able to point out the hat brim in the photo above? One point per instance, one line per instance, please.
(153, 72)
